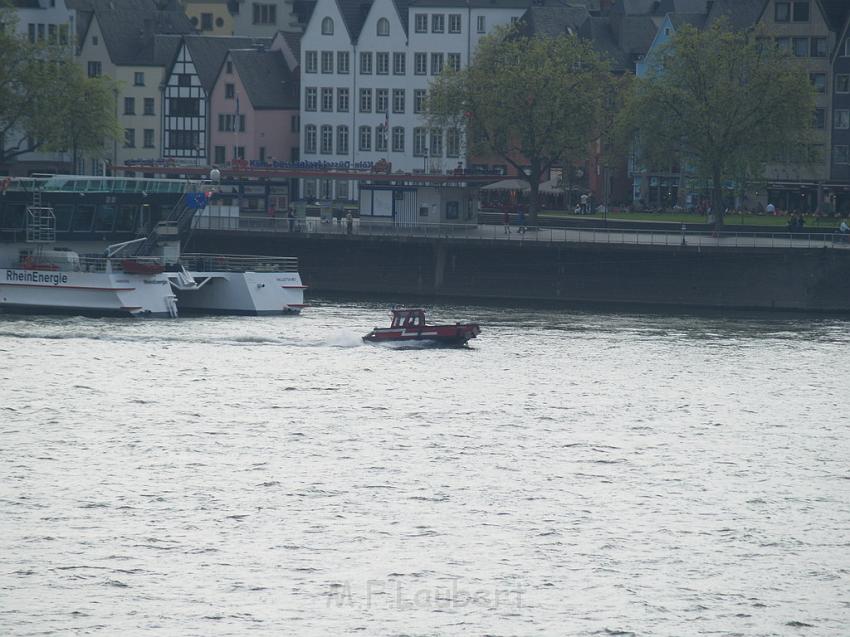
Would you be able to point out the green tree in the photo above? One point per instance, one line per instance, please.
(85, 116)
(533, 101)
(46, 101)
(720, 104)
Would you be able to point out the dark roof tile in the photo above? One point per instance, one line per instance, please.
(266, 78)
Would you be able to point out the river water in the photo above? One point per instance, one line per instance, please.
(572, 473)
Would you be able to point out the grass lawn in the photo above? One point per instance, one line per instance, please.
(729, 220)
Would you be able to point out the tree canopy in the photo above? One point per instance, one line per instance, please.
(533, 101)
(46, 99)
(720, 104)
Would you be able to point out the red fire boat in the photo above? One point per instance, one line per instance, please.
(408, 325)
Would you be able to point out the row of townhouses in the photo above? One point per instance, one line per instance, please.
(342, 82)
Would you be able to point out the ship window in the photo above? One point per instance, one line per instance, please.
(63, 217)
(105, 219)
(12, 217)
(83, 218)
(124, 220)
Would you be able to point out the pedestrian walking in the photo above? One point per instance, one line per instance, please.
(506, 220)
(349, 223)
(291, 217)
(521, 220)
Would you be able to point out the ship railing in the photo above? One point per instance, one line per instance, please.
(82, 263)
(199, 262)
(673, 238)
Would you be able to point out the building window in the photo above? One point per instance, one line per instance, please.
(228, 67)
(311, 61)
(419, 100)
(818, 47)
(238, 152)
(420, 139)
(842, 83)
(846, 48)
(818, 81)
(206, 22)
(310, 98)
(342, 62)
(184, 106)
(383, 27)
(381, 134)
(399, 64)
(310, 139)
(265, 13)
(342, 189)
(454, 61)
(227, 123)
(800, 46)
(801, 12)
(365, 100)
(436, 63)
(184, 79)
(782, 12)
(294, 123)
(310, 188)
(138, 78)
(148, 137)
(129, 138)
(327, 61)
(229, 91)
(398, 100)
(841, 119)
(149, 106)
(262, 153)
(63, 34)
(382, 100)
(453, 142)
(436, 142)
(327, 100)
(819, 119)
(438, 23)
(454, 23)
(398, 139)
(480, 24)
(783, 44)
(452, 210)
(342, 140)
(185, 140)
(365, 64)
(420, 21)
(365, 138)
(94, 69)
(420, 63)
(94, 40)
(129, 106)
(327, 138)
(218, 154)
(382, 63)
(839, 155)
(327, 26)
(342, 100)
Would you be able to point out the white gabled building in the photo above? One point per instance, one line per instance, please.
(365, 70)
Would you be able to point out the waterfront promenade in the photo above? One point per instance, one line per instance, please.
(678, 238)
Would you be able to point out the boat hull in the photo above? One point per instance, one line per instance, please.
(244, 293)
(91, 293)
(442, 335)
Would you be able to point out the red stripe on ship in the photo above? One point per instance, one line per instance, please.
(67, 287)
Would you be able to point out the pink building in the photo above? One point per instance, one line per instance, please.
(254, 108)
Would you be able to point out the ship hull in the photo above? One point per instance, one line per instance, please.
(89, 293)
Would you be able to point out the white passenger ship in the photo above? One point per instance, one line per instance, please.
(146, 276)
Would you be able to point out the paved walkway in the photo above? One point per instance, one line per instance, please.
(483, 232)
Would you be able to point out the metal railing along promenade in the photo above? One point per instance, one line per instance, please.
(473, 232)
(198, 262)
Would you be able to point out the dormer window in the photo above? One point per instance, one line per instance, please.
(383, 27)
(327, 26)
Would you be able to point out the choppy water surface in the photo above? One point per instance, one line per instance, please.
(572, 473)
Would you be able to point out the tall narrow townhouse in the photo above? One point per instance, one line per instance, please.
(839, 187)
(797, 180)
(51, 22)
(186, 91)
(365, 71)
(128, 46)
